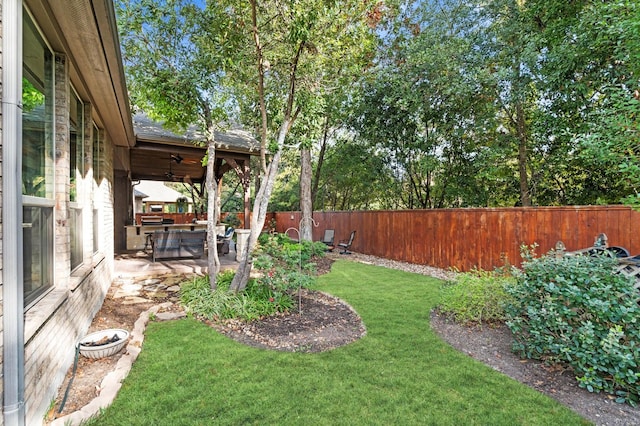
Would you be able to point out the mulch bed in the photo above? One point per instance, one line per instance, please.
(320, 322)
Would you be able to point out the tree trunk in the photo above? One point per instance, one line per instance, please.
(219, 199)
(261, 203)
(258, 217)
(213, 261)
(306, 204)
(318, 171)
(521, 129)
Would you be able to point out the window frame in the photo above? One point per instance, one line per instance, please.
(46, 247)
(76, 164)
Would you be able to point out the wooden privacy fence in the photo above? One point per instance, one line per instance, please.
(473, 238)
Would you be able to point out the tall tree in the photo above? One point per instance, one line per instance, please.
(424, 106)
(507, 102)
(593, 72)
(512, 45)
(574, 84)
(354, 177)
(291, 43)
(347, 53)
(176, 77)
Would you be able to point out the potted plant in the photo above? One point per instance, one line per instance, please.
(181, 204)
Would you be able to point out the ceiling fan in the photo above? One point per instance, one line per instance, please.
(177, 158)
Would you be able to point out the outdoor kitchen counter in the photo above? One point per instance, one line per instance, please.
(137, 235)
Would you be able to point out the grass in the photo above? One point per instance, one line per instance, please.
(400, 373)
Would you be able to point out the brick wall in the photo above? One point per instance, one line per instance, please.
(107, 193)
(50, 352)
(61, 183)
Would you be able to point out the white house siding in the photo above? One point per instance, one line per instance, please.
(55, 323)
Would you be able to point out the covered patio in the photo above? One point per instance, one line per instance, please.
(159, 154)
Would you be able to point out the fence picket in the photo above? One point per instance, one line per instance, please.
(468, 238)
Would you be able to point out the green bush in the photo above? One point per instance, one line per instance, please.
(255, 302)
(232, 219)
(575, 310)
(476, 297)
(289, 252)
(285, 264)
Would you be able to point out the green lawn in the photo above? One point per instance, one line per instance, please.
(400, 373)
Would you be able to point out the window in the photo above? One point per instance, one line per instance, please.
(37, 161)
(37, 115)
(76, 173)
(38, 253)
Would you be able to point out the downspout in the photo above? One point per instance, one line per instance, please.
(12, 273)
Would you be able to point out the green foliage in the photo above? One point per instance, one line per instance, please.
(502, 102)
(465, 104)
(290, 252)
(575, 310)
(476, 297)
(255, 302)
(420, 110)
(232, 219)
(283, 266)
(175, 74)
(286, 265)
(354, 176)
(286, 189)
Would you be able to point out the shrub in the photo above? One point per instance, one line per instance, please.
(284, 266)
(575, 310)
(291, 253)
(232, 219)
(255, 302)
(477, 296)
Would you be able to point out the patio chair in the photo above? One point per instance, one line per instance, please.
(346, 244)
(223, 241)
(328, 239)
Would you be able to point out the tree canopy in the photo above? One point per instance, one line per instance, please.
(176, 77)
(496, 103)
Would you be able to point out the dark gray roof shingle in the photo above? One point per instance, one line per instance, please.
(234, 139)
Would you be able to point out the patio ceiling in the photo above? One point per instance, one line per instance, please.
(160, 154)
